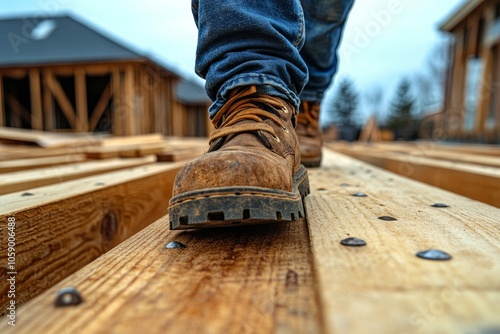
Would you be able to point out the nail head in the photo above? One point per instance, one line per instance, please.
(353, 242)
(387, 218)
(175, 245)
(434, 254)
(68, 296)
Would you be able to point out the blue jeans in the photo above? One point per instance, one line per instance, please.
(287, 48)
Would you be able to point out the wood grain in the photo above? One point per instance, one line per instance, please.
(240, 280)
(60, 228)
(383, 287)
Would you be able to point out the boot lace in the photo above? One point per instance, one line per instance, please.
(246, 105)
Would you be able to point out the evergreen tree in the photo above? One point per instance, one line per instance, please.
(401, 119)
(345, 103)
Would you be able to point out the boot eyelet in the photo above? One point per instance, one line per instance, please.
(285, 110)
(286, 130)
(276, 138)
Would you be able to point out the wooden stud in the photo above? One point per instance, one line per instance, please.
(118, 108)
(36, 100)
(61, 98)
(130, 120)
(82, 115)
(48, 103)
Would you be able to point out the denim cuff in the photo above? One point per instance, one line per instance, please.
(266, 84)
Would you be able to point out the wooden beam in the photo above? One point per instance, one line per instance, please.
(32, 163)
(251, 280)
(62, 99)
(48, 103)
(477, 182)
(383, 287)
(81, 101)
(2, 110)
(27, 180)
(100, 107)
(63, 227)
(36, 100)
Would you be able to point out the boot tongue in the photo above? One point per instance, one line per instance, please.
(248, 139)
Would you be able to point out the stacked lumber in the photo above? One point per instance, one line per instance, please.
(69, 208)
(294, 277)
(468, 170)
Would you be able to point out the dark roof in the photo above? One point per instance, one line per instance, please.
(70, 41)
(191, 93)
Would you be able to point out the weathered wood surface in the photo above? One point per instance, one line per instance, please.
(288, 278)
(383, 287)
(60, 228)
(28, 179)
(478, 182)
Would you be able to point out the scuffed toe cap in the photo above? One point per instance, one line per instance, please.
(237, 166)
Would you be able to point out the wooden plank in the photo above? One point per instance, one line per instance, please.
(128, 140)
(82, 124)
(8, 152)
(63, 227)
(383, 287)
(61, 98)
(17, 181)
(434, 151)
(48, 139)
(32, 163)
(481, 183)
(36, 100)
(247, 280)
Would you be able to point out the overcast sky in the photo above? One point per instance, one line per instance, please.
(384, 40)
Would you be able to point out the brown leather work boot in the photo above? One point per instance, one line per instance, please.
(250, 174)
(309, 134)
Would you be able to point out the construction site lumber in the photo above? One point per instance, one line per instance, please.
(29, 179)
(62, 227)
(479, 182)
(32, 163)
(298, 277)
(46, 139)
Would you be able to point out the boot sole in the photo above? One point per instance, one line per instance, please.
(235, 206)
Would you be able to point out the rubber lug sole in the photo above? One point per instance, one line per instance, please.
(235, 206)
